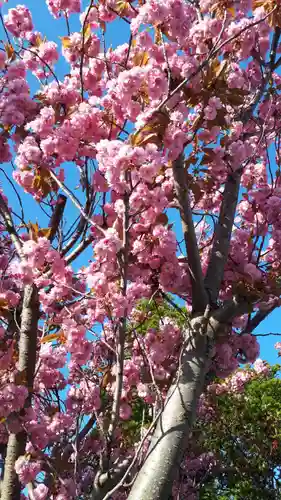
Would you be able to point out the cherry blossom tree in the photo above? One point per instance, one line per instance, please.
(181, 122)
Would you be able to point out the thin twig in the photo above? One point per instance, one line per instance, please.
(17, 194)
(123, 323)
(199, 296)
(79, 249)
(4, 211)
(83, 49)
(76, 202)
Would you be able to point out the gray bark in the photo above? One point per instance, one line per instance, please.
(11, 487)
(222, 236)
(155, 479)
(108, 480)
(199, 296)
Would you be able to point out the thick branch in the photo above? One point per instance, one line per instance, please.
(82, 434)
(10, 487)
(254, 322)
(199, 296)
(274, 45)
(222, 236)
(27, 360)
(108, 480)
(76, 202)
(79, 249)
(119, 379)
(231, 310)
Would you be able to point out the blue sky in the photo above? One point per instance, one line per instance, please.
(117, 33)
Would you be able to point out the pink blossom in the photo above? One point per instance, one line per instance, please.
(125, 411)
(261, 367)
(249, 346)
(58, 6)
(40, 492)
(253, 271)
(99, 182)
(18, 20)
(27, 469)
(48, 52)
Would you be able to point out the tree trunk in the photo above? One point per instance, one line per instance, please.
(11, 488)
(155, 479)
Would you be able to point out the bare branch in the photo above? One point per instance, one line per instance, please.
(274, 45)
(4, 211)
(83, 433)
(199, 296)
(80, 230)
(222, 236)
(125, 468)
(254, 322)
(270, 334)
(75, 202)
(79, 249)
(231, 310)
(83, 48)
